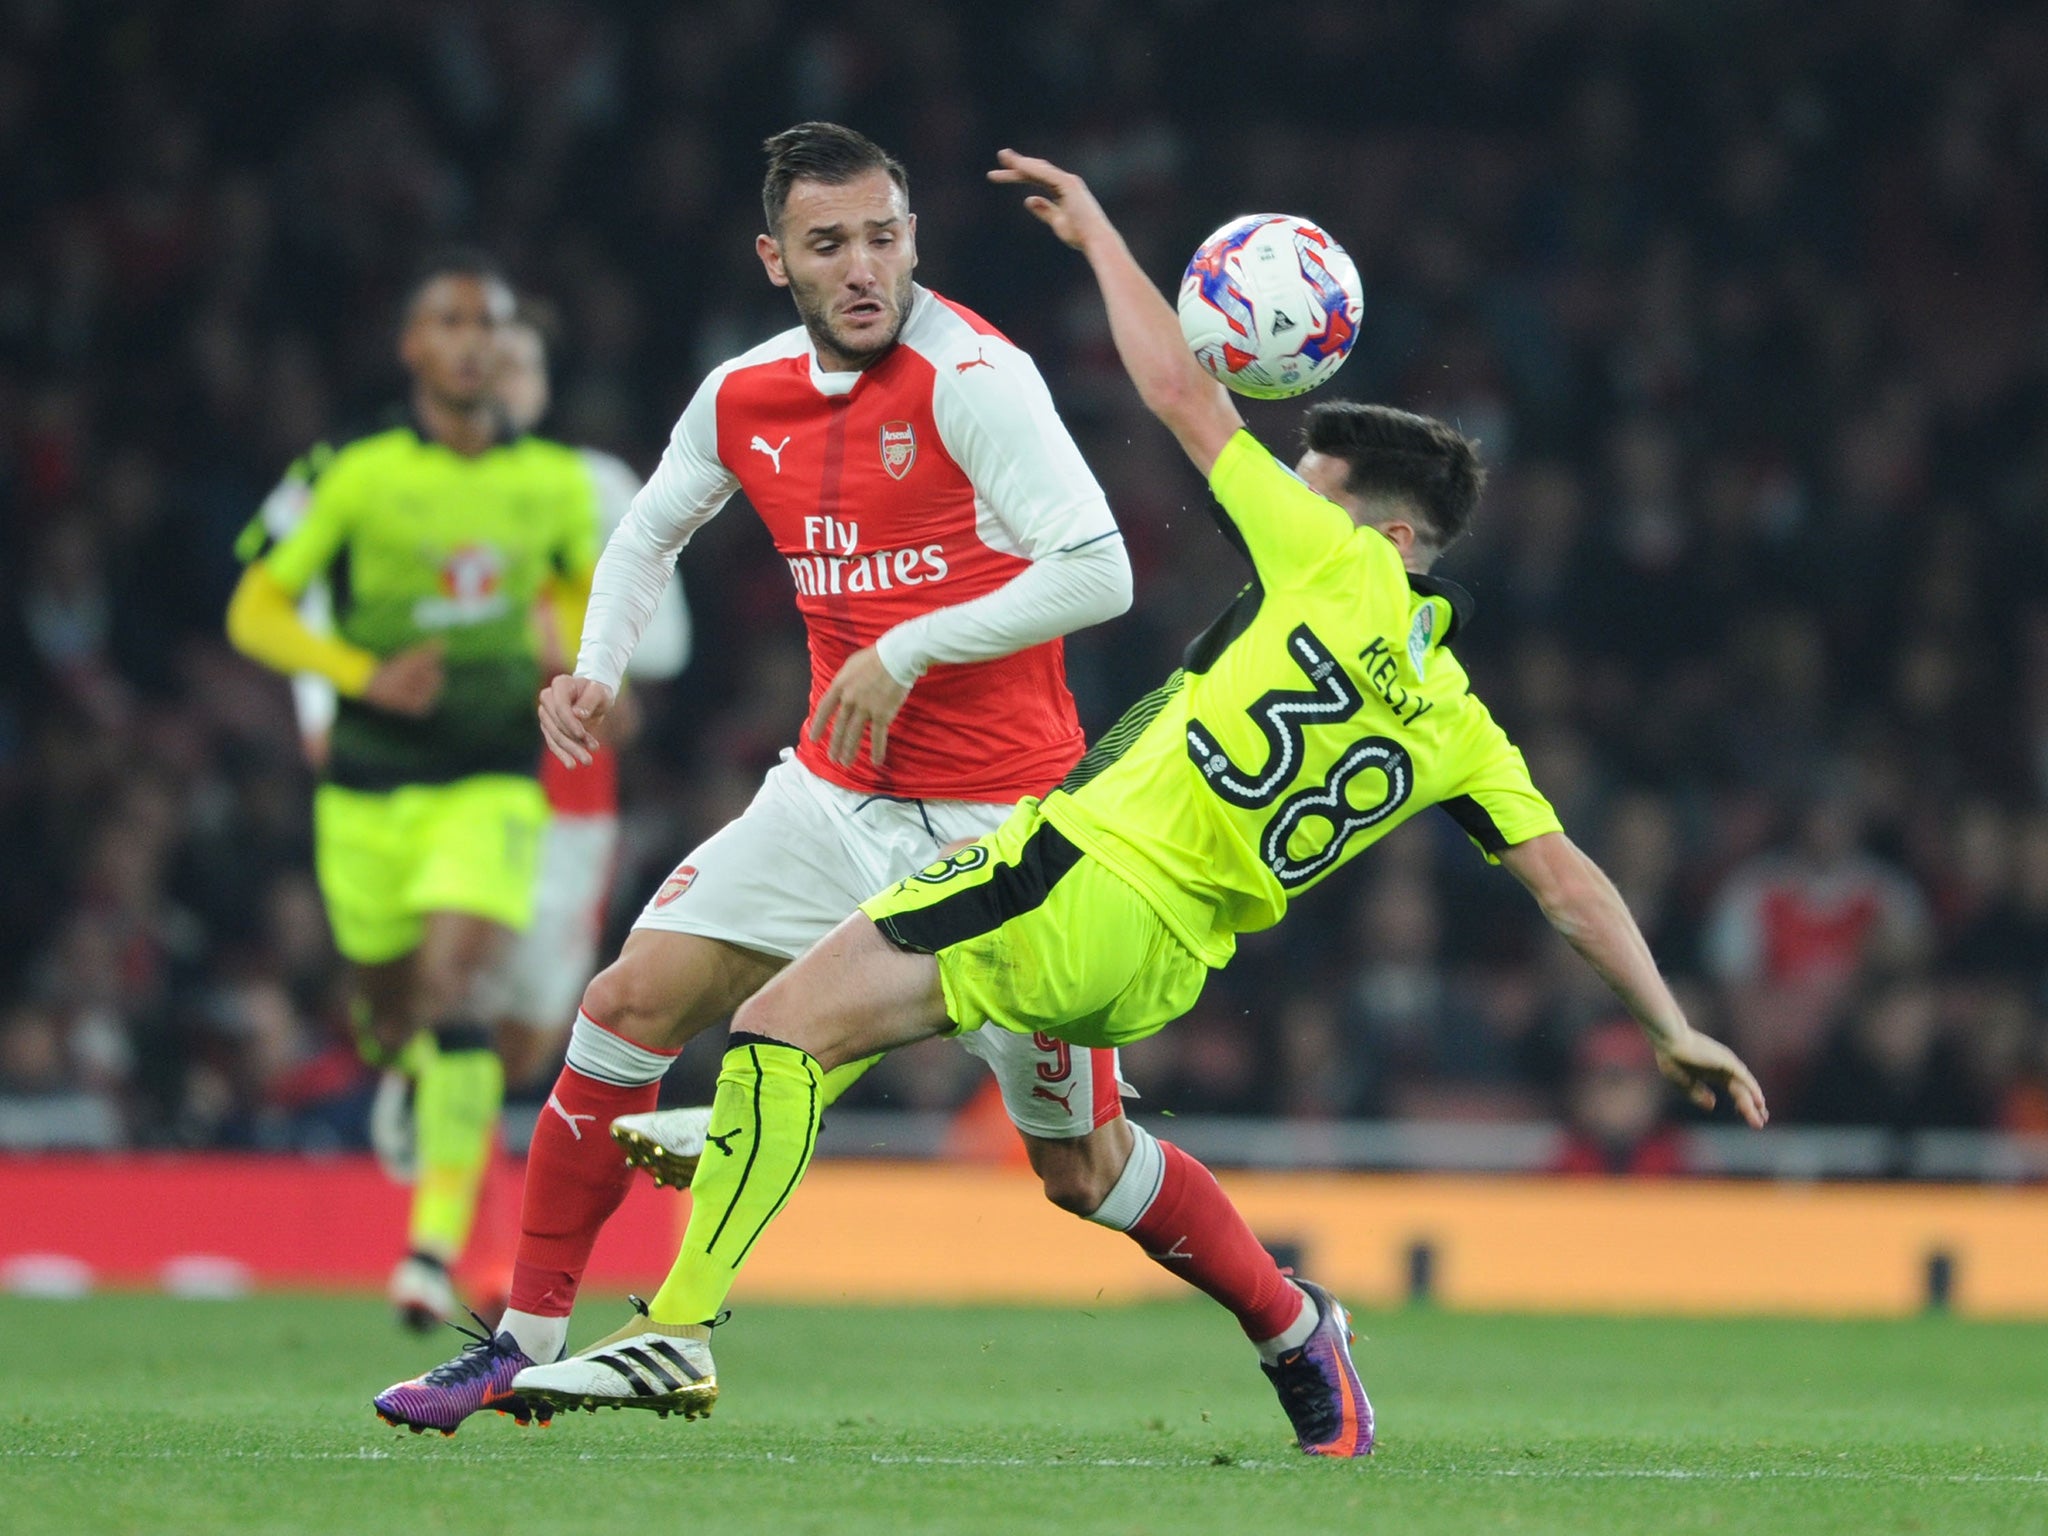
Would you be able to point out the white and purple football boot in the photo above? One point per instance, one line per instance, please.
(478, 1378)
(1319, 1387)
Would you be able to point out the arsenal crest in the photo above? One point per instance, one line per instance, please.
(677, 883)
(899, 448)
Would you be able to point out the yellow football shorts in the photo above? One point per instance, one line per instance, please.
(1035, 936)
(386, 859)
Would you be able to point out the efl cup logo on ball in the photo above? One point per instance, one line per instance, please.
(1270, 305)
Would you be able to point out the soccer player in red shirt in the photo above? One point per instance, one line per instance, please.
(942, 533)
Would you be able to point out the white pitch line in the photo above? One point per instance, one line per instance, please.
(1716, 1475)
(1048, 1463)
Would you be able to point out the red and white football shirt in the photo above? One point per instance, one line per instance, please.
(929, 479)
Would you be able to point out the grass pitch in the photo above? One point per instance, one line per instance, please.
(140, 1414)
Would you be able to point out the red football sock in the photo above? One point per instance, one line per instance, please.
(575, 1179)
(1192, 1229)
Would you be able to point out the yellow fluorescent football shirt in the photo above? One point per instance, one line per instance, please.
(1318, 714)
(419, 543)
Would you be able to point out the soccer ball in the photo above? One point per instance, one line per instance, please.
(1270, 305)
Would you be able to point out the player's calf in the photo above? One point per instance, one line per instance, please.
(575, 1178)
(668, 1144)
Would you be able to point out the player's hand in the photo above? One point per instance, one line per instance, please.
(1700, 1064)
(572, 714)
(408, 683)
(1062, 200)
(861, 700)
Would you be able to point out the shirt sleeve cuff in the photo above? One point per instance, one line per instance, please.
(1242, 445)
(352, 671)
(600, 672)
(898, 653)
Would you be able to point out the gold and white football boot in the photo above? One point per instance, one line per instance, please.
(664, 1367)
(668, 1143)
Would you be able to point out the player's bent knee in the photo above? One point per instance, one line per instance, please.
(445, 991)
(1078, 1174)
(1073, 1180)
(771, 1016)
(1075, 1191)
(631, 1002)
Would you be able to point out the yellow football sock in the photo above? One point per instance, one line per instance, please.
(841, 1078)
(764, 1127)
(455, 1111)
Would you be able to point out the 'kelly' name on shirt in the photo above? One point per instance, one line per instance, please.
(1381, 669)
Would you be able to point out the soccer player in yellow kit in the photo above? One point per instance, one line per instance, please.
(1320, 712)
(436, 537)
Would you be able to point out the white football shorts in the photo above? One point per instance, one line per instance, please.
(539, 979)
(805, 853)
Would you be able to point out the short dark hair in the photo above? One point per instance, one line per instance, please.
(1398, 453)
(821, 152)
(453, 261)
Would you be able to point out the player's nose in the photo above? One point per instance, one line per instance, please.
(860, 269)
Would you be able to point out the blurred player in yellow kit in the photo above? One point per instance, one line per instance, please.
(533, 985)
(1321, 711)
(437, 539)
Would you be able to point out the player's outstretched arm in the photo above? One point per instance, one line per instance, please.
(1194, 407)
(1583, 906)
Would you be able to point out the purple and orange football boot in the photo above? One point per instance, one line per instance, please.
(478, 1378)
(1319, 1386)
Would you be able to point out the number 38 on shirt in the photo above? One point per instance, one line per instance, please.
(1283, 716)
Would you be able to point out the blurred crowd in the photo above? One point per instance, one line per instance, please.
(1745, 303)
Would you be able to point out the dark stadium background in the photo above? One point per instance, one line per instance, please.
(1745, 301)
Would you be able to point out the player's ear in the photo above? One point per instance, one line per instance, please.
(409, 343)
(769, 249)
(1401, 534)
(910, 234)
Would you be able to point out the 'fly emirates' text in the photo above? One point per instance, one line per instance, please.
(838, 567)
